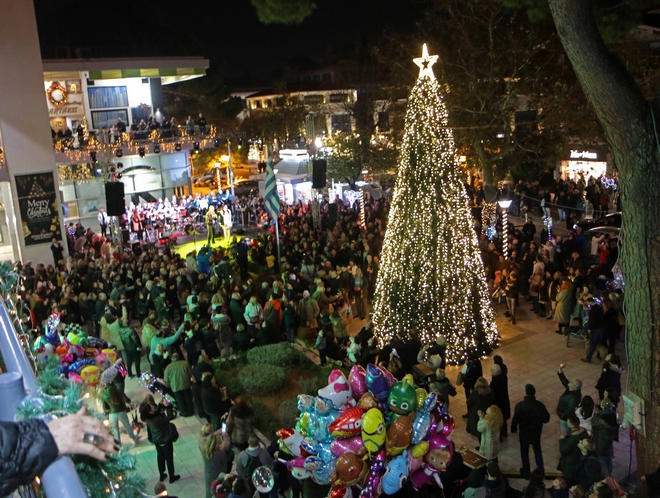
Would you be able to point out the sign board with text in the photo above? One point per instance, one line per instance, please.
(37, 200)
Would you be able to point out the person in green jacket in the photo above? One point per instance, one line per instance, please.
(113, 404)
(132, 348)
(177, 376)
(166, 341)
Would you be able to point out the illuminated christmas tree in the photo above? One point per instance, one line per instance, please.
(431, 277)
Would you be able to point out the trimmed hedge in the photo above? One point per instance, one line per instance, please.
(288, 411)
(262, 380)
(264, 419)
(312, 386)
(280, 355)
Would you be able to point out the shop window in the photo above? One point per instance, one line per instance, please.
(338, 97)
(313, 99)
(341, 122)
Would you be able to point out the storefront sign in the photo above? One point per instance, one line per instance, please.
(65, 110)
(37, 202)
(577, 154)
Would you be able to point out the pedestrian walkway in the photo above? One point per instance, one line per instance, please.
(532, 352)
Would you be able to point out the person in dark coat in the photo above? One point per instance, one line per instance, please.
(203, 366)
(497, 359)
(499, 384)
(30, 446)
(604, 429)
(610, 376)
(569, 400)
(215, 400)
(472, 370)
(241, 340)
(569, 451)
(588, 470)
(443, 387)
(530, 415)
(163, 435)
(480, 399)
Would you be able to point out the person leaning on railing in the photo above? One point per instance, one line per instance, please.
(27, 448)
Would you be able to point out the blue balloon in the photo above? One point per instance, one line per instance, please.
(96, 343)
(423, 419)
(396, 474)
(63, 369)
(377, 383)
(80, 364)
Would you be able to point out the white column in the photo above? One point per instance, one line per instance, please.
(24, 121)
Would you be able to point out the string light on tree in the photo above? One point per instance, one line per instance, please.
(432, 278)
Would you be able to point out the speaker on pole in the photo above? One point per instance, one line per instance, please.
(114, 198)
(319, 167)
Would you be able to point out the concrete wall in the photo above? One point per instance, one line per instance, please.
(24, 121)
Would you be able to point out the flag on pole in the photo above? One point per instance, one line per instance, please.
(271, 199)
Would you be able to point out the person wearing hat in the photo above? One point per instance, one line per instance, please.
(530, 415)
(495, 483)
(475, 483)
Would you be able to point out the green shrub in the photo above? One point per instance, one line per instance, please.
(288, 411)
(325, 372)
(312, 386)
(262, 380)
(231, 361)
(281, 355)
(306, 363)
(234, 387)
(264, 420)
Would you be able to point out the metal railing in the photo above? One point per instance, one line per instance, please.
(60, 479)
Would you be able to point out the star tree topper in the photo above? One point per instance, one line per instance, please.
(425, 62)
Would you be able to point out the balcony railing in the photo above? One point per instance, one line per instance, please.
(60, 479)
(79, 149)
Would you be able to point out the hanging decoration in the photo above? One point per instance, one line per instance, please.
(56, 94)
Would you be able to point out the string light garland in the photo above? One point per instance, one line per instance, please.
(432, 278)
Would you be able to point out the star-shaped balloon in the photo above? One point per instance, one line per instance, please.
(425, 62)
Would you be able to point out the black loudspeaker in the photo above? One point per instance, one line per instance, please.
(332, 215)
(125, 236)
(114, 198)
(319, 167)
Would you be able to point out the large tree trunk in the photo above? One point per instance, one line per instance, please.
(627, 119)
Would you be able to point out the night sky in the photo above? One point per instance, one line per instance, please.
(226, 31)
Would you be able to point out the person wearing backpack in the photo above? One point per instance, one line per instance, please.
(589, 469)
(251, 459)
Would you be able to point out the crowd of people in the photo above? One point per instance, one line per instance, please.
(182, 311)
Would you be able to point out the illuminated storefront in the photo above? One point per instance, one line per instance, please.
(585, 163)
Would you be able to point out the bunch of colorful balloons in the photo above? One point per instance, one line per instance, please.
(368, 434)
(83, 358)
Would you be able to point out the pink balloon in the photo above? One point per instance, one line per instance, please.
(390, 378)
(447, 424)
(436, 423)
(358, 381)
(351, 444)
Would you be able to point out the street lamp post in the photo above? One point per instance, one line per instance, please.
(505, 204)
(231, 171)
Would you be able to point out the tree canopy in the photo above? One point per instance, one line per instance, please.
(283, 11)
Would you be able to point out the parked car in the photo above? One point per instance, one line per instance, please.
(245, 186)
(208, 178)
(612, 220)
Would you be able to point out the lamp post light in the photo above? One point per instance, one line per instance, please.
(505, 204)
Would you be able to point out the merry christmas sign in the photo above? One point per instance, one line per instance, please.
(38, 205)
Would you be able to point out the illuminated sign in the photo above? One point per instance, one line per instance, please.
(577, 154)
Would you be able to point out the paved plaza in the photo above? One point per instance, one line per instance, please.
(532, 352)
